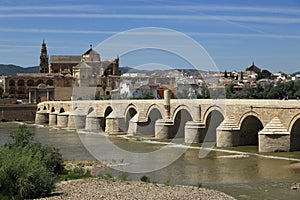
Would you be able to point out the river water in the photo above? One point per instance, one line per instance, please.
(241, 172)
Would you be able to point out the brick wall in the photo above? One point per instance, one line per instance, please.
(18, 112)
(63, 93)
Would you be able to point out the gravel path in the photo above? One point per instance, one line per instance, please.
(99, 188)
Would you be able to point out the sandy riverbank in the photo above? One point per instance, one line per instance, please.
(99, 188)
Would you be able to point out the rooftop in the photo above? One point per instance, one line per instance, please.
(65, 59)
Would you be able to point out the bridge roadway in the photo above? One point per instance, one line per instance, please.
(273, 125)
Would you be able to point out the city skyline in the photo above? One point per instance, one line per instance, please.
(234, 33)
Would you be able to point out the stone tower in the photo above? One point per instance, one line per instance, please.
(44, 63)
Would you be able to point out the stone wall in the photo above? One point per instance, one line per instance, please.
(18, 112)
(63, 93)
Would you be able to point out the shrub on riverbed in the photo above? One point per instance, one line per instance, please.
(76, 173)
(23, 175)
(28, 169)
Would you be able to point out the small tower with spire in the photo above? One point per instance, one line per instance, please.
(44, 59)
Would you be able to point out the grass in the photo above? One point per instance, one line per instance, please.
(75, 173)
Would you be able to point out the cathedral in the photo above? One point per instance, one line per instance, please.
(59, 75)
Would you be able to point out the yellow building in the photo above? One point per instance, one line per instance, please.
(55, 81)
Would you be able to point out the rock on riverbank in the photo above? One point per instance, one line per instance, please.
(99, 188)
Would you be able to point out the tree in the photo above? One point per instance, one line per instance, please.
(22, 136)
(225, 74)
(229, 89)
(28, 169)
(264, 74)
(242, 76)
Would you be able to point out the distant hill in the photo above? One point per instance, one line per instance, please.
(11, 70)
(161, 72)
(297, 72)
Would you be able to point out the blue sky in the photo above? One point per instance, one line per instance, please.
(233, 32)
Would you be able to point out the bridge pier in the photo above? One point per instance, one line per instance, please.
(53, 119)
(274, 137)
(62, 120)
(227, 138)
(76, 121)
(114, 124)
(162, 129)
(92, 122)
(42, 117)
(133, 125)
(194, 132)
(274, 143)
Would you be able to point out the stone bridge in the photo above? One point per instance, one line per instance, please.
(273, 125)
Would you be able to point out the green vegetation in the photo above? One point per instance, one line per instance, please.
(145, 179)
(264, 74)
(28, 169)
(290, 90)
(75, 173)
(123, 176)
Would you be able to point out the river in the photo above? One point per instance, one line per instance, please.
(241, 172)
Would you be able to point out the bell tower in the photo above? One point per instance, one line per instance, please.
(44, 63)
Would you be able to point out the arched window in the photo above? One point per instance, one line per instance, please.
(21, 82)
(30, 83)
(49, 82)
(39, 82)
(12, 83)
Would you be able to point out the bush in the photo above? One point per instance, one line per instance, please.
(22, 174)
(28, 169)
(50, 157)
(145, 179)
(76, 173)
(22, 136)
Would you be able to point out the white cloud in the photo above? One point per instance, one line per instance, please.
(208, 34)
(86, 7)
(28, 30)
(260, 19)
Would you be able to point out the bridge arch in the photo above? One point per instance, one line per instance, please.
(153, 114)
(248, 114)
(61, 110)
(294, 129)
(213, 119)
(181, 115)
(179, 108)
(107, 111)
(130, 112)
(158, 108)
(211, 109)
(52, 109)
(249, 126)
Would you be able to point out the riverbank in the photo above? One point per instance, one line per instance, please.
(100, 188)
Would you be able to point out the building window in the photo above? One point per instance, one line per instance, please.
(49, 82)
(21, 91)
(21, 82)
(11, 83)
(30, 83)
(39, 82)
